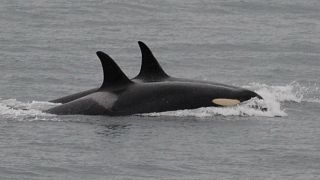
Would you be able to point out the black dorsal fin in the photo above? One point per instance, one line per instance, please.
(112, 74)
(150, 67)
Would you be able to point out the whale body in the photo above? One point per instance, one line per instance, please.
(148, 92)
(150, 71)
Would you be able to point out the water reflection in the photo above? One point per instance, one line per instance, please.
(113, 129)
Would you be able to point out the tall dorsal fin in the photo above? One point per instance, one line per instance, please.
(112, 74)
(150, 67)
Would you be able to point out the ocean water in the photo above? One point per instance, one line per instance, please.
(47, 51)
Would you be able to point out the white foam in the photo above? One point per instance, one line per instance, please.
(273, 97)
(312, 93)
(13, 109)
(290, 92)
(253, 107)
(313, 100)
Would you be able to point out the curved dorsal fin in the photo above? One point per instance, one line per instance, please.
(112, 74)
(150, 67)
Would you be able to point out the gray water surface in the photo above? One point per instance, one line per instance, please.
(47, 51)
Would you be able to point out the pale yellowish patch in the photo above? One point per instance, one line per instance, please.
(226, 102)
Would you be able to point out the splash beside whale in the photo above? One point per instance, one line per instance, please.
(152, 90)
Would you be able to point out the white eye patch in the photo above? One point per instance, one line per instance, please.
(226, 102)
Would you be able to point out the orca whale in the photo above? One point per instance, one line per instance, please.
(149, 92)
(150, 71)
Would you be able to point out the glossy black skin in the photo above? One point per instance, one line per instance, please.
(151, 91)
(150, 72)
(137, 98)
(75, 96)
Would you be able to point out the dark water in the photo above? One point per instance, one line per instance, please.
(47, 50)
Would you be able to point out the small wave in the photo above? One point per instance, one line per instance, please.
(312, 93)
(293, 91)
(313, 100)
(273, 97)
(13, 109)
(253, 107)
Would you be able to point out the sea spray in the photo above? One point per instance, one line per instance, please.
(13, 109)
(270, 106)
(274, 97)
